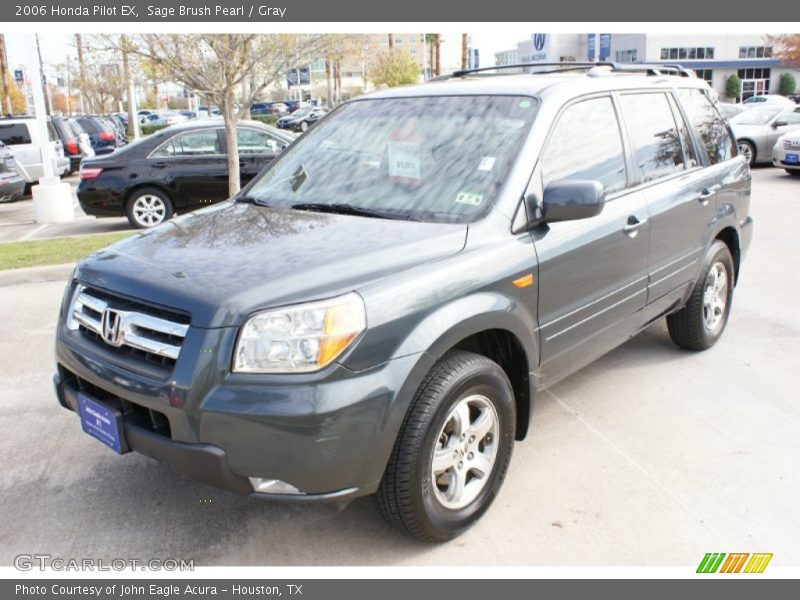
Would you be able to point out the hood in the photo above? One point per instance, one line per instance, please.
(222, 263)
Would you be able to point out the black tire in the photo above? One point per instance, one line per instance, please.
(688, 327)
(795, 172)
(406, 496)
(752, 150)
(141, 194)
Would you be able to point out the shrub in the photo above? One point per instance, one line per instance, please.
(148, 129)
(786, 84)
(270, 120)
(733, 87)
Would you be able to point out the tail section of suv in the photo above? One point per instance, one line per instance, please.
(377, 310)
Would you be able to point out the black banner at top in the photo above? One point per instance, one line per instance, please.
(348, 11)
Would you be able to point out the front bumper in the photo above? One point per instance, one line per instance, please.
(11, 188)
(779, 158)
(328, 434)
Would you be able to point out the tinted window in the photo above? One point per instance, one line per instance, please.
(710, 126)
(791, 117)
(194, 143)
(586, 144)
(89, 125)
(253, 141)
(686, 139)
(656, 145)
(15, 133)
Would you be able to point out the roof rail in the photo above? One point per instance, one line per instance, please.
(558, 67)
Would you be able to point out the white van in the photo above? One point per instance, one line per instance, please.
(21, 135)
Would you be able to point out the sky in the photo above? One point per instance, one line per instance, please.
(56, 47)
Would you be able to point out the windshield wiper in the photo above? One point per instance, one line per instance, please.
(342, 208)
(251, 200)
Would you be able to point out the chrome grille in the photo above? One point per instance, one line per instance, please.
(116, 326)
(791, 144)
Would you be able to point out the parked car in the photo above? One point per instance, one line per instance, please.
(377, 311)
(74, 140)
(766, 99)
(143, 114)
(794, 98)
(120, 128)
(786, 152)
(173, 118)
(301, 119)
(12, 184)
(175, 170)
(22, 137)
(758, 129)
(260, 109)
(293, 105)
(730, 110)
(102, 135)
(189, 114)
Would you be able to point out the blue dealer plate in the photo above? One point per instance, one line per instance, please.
(100, 422)
(792, 159)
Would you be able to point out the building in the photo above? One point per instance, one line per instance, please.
(714, 57)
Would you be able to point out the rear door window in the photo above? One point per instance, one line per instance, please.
(15, 133)
(710, 126)
(657, 150)
(586, 144)
(253, 141)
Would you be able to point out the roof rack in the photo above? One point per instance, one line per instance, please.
(559, 67)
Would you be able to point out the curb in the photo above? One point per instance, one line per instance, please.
(42, 274)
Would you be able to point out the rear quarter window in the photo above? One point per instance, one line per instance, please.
(712, 131)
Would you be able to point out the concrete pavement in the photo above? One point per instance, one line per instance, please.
(18, 221)
(650, 456)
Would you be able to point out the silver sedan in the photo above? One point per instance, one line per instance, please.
(786, 152)
(758, 129)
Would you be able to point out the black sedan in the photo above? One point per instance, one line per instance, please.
(176, 170)
(302, 118)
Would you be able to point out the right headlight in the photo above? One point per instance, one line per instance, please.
(299, 338)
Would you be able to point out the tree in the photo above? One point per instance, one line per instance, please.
(392, 69)
(437, 44)
(733, 87)
(464, 50)
(786, 84)
(786, 48)
(214, 66)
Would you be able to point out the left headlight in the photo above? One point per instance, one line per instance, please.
(299, 338)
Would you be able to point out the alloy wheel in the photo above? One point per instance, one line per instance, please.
(715, 296)
(149, 210)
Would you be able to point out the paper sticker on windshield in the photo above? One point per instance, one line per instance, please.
(469, 198)
(487, 162)
(404, 161)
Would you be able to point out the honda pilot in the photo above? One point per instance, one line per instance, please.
(377, 311)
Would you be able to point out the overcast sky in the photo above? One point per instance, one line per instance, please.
(56, 47)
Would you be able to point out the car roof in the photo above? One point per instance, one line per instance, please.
(540, 85)
(217, 123)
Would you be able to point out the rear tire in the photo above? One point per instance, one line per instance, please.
(148, 207)
(453, 450)
(747, 150)
(699, 324)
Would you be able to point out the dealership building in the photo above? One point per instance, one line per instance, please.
(714, 57)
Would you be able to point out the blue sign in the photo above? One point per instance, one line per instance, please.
(100, 422)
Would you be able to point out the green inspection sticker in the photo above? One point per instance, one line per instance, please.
(524, 103)
(469, 198)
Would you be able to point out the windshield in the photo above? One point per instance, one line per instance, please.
(427, 158)
(756, 116)
(301, 112)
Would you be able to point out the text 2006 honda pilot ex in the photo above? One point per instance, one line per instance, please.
(377, 311)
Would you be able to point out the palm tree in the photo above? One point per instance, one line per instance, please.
(464, 50)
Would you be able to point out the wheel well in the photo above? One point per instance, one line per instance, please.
(504, 348)
(752, 143)
(731, 240)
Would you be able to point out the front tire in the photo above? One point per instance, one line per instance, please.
(148, 207)
(795, 172)
(453, 450)
(699, 324)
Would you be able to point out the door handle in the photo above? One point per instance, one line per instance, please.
(633, 225)
(159, 165)
(707, 193)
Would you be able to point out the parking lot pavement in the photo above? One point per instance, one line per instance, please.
(18, 221)
(650, 456)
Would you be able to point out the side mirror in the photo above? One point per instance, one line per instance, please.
(572, 199)
(777, 124)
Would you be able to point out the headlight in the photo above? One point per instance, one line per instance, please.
(300, 338)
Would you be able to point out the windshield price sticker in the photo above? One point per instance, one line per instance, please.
(404, 160)
(469, 198)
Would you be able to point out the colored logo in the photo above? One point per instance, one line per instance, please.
(538, 40)
(737, 562)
